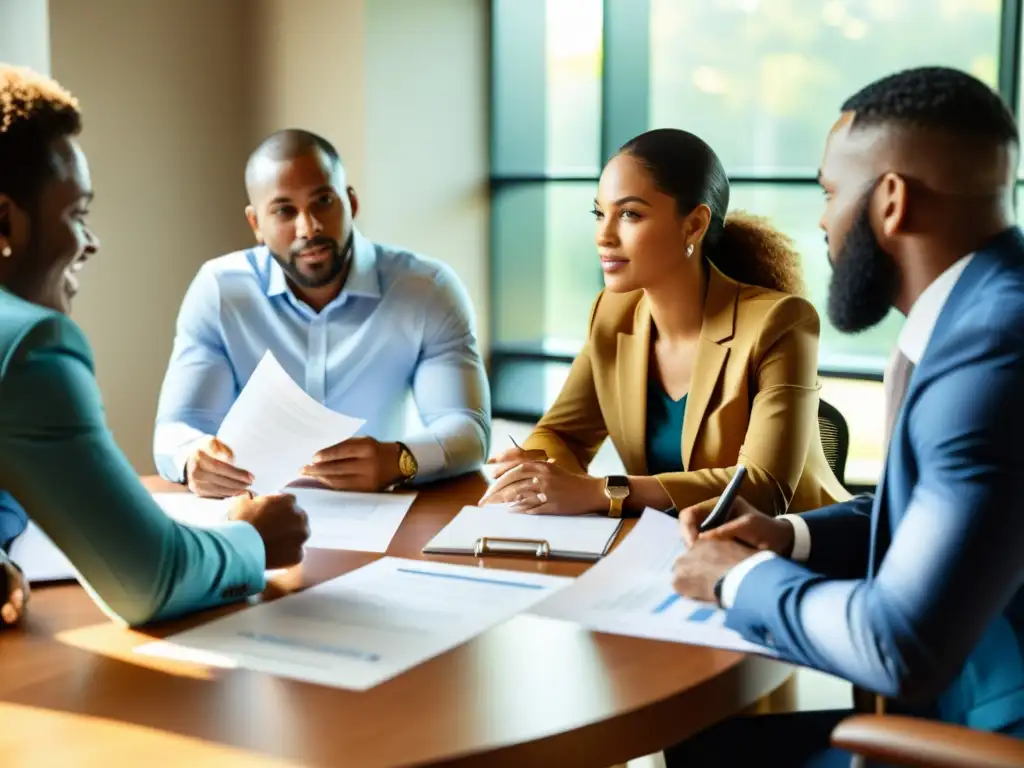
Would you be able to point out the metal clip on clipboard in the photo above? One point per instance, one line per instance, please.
(490, 546)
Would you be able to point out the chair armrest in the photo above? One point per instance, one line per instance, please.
(926, 743)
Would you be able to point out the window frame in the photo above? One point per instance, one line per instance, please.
(625, 36)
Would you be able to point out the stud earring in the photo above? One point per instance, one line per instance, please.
(6, 252)
(689, 250)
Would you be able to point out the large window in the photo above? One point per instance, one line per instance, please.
(760, 80)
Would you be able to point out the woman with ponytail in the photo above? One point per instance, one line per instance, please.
(701, 354)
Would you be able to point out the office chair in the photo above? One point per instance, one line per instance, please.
(835, 438)
(899, 740)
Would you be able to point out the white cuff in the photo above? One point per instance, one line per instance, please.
(180, 461)
(731, 582)
(801, 538)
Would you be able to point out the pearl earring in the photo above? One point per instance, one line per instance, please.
(689, 250)
(6, 252)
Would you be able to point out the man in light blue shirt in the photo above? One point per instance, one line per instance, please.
(356, 324)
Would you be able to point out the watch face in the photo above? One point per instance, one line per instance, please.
(617, 487)
(406, 463)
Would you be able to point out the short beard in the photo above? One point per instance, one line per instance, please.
(865, 280)
(339, 262)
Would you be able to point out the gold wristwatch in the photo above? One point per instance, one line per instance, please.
(407, 463)
(616, 488)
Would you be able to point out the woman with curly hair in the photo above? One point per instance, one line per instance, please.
(701, 354)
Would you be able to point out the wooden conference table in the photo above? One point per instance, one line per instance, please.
(529, 692)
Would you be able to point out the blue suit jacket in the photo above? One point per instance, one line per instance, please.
(917, 593)
(60, 463)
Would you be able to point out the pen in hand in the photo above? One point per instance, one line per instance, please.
(721, 511)
(517, 445)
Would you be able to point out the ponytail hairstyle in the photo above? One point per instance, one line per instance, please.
(744, 247)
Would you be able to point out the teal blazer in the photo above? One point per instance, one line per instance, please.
(60, 462)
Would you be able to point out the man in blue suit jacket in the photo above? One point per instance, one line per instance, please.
(915, 594)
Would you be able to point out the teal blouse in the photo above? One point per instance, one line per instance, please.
(60, 462)
(664, 443)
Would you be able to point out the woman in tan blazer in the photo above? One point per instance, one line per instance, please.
(700, 354)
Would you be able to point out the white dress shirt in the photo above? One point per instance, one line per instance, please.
(912, 342)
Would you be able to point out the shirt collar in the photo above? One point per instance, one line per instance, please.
(924, 314)
(362, 280)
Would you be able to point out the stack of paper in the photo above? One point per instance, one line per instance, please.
(579, 537)
(274, 428)
(39, 558)
(365, 627)
(337, 519)
(630, 593)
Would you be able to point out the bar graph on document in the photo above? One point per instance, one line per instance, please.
(630, 593)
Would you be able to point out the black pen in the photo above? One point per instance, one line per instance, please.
(721, 511)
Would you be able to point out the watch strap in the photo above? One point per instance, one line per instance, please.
(718, 591)
(614, 507)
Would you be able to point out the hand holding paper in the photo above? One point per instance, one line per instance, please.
(357, 464)
(274, 428)
(211, 473)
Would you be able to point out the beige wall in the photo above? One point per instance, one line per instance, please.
(309, 71)
(427, 136)
(401, 88)
(164, 125)
(175, 96)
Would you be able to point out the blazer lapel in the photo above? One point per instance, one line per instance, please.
(633, 354)
(718, 326)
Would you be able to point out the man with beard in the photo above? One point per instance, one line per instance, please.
(915, 594)
(356, 324)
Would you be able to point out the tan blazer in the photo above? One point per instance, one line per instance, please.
(753, 399)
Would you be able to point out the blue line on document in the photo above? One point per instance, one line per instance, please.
(496, 582)
(665, 604)
(702, 614)
(289, 642)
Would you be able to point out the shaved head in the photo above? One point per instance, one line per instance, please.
(283, 146)
(302, 210)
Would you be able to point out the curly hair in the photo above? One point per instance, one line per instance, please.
(752, 251)
(938, 98)
(34, 112)
(744, 247)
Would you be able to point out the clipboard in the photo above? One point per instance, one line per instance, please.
(497, 531)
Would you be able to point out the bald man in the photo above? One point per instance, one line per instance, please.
(357, 325)
(916, 594)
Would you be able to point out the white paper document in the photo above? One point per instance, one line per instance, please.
(365, 627)
(274, 428)
(337, 519)
(630, 593)
(578, 537)
(38, 557)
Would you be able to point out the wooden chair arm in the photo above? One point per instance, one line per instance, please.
(922, 743)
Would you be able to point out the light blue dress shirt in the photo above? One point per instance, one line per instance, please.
(401, 323)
